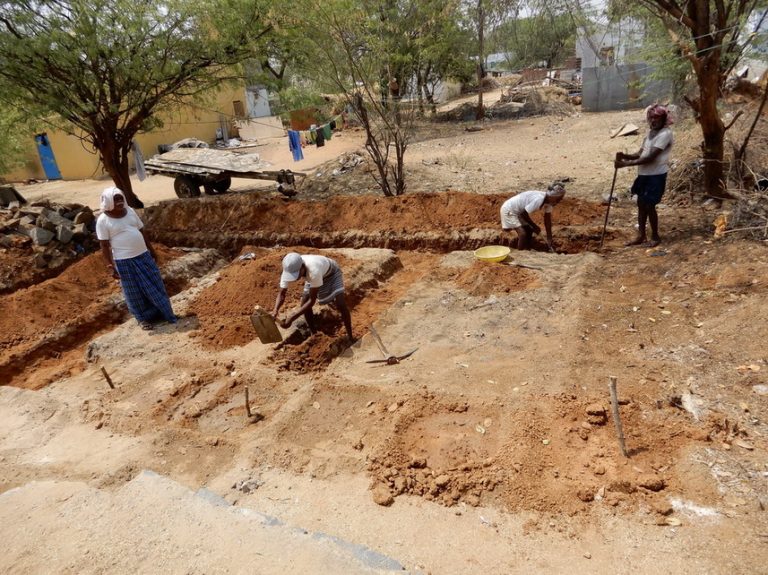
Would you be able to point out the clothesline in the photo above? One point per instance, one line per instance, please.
(318, 135)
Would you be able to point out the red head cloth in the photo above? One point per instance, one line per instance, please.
(657, 111)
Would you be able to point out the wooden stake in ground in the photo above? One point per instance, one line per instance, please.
(109, 379)
(247, 404)
(616, 418)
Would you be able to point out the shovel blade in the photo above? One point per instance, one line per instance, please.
(265, 327)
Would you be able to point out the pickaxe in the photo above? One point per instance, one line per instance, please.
(389, 358)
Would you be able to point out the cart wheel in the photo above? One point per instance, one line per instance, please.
(186, 187)
(222, 185)
(209, 189)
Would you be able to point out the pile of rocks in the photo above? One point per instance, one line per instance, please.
(52, 232)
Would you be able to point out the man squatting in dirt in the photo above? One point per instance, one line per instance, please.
(652, 163)
(516, 214)
(131, 258)
(323, 282)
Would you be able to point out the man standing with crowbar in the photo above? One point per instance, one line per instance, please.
(652, 163)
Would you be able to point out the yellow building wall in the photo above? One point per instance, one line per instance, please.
(79, 161)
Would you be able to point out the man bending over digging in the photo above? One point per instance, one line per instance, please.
(323, 282)
(516, 214)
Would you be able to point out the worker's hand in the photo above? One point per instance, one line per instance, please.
(536, 230)
(620, 156)
(284, 323)
(621, 163)
(113, 271)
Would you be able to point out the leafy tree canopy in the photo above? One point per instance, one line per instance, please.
(107, 67)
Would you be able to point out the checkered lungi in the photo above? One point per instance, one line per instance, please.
(333, 284)
(144, 290)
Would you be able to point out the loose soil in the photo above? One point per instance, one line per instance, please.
(495, 436)
(44, 328)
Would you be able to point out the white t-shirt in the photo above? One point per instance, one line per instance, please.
(123, 234)
(529, 201)
(317, 267)
(662, 140)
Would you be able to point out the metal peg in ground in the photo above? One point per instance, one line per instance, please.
(616, 417)
(109, 379)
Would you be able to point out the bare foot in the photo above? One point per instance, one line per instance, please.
(638, 241)
(653, 243)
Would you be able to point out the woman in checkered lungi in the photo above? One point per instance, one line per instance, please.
(324, 283)
(131, 259)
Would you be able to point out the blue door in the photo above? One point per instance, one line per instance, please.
(47, 158)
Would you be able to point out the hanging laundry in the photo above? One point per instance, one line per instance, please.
(294, 144)
(327, 131)
(138, 160)
(332, 124)
(319, 138)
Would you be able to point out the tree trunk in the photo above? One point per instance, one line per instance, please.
(373, 147)
(115, 159)
(712, 127)
(420, 90)
(480, 26)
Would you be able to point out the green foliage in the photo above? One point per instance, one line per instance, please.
(297, 98)
(107, 66)
(16, 140)
(547, 35)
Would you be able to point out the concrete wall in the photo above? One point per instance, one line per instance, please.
(620, 88)
(258, 102)
(78, 161)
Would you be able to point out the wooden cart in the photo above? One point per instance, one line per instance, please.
(214, 169)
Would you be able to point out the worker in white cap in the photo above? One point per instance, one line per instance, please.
(323, 282)
(516, 214)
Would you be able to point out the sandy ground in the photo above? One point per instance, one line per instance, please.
(489, 450)
(156, 188)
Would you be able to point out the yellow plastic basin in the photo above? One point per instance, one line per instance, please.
(492, 253)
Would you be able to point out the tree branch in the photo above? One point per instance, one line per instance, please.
(743, 149)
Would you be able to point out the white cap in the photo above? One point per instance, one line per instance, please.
(292, 263)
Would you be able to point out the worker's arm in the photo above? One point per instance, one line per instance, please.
(106, 253)
(639, 160)
(623, 156)
(149, 245)
(526, 217)
(306, 306)
(279, 302)
(548, 228)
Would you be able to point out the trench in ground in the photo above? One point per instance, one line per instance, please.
(436, 223)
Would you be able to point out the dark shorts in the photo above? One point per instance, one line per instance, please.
(649, 189)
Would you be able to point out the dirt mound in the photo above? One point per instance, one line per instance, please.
(75, 301)
(224, 308)
(59, 316)
(408, 214)
(557, 461)
(39, 240)
(351, 174)
(483, 279)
